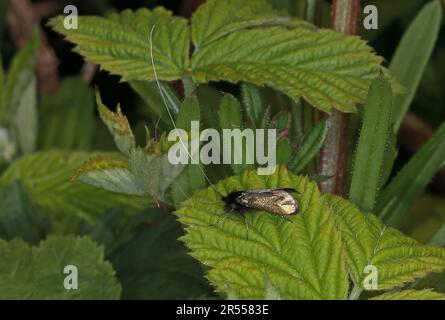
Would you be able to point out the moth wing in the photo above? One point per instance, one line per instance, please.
(277, 201)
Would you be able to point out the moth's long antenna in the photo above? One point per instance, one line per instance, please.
(168, 110)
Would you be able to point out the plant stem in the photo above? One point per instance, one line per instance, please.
(333, 158)
(189, 86)
(312, 15)
(355, 293)
(312, 11)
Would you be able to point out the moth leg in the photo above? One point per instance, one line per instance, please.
(286, 218)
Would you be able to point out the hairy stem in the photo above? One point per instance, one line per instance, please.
(333, 157)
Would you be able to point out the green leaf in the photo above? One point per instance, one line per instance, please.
(230, 113)
(439, 237)
(427, 294)
(19, 98)
(216, 19)
(283, 151)
(153, 172)
(412, 55)
(401, 192)
(312, 143)
(26, 118)
(326, 68)
(230, 118)
(281, 121)
(190, 111)
(301, 256)
(209, 99)
(389, 158)
(109, 174)
(397, 258)
(150, 261)
(120, 43)
(253, 102)
(271, 292)
(191, 179)
(150, 94)
(46, 177)
(20, 77)
(118, 126)
(370, 154)
(60, 114)
(2, 79)
(17, 214)
(8, 147)
(38, 272)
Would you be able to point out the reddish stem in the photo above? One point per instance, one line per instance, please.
(21, 22)
(333, 157)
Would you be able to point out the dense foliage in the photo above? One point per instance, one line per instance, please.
(137, 226)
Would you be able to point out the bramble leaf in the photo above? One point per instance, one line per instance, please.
(215, 19)
(47, 178)
(326, 68)
(301, 257)
(230, 118)
(109, 174)
(150, 261)
(118, 126)
(411, 295)
(397, 258)
(67, 117)
(190, 111)
(150, 93)
(253, 102)
(38, 272)
(120, 43)
(17, 214)
(153, 172)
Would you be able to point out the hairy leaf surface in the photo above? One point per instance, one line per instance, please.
(38, 272)
(120, 43)
(67, 117)
(411, 295)
(215, 19)
(372, 146)
(368, 242)
(326, 68)
(301, 257)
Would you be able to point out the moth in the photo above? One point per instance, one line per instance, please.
(279, 202)
(276, 201)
